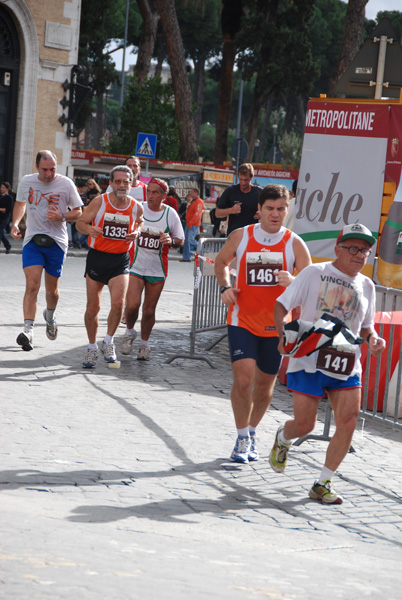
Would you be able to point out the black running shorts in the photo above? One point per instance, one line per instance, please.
(103, 266)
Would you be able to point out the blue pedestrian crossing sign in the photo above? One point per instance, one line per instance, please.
(146, 145)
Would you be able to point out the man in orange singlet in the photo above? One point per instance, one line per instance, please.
(267, 254)
(112, 221)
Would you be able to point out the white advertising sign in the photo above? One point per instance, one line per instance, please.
(341, 175)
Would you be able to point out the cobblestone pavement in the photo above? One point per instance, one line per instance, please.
(117, 483)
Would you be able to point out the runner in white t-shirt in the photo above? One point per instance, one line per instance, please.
(162, 228)
(337, 288)
(49, 200)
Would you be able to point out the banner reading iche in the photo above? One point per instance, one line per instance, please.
(341, 173)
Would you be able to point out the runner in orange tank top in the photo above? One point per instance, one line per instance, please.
(112, 221)
(267, 254)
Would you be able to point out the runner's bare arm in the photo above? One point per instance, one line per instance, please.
(18, 213)
(84, 223)
(376, 344)
(222, 262)
(302, 260)
(280, 316)
(137, 225)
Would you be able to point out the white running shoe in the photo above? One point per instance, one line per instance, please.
(25, 341)
(109, 352)
(242, 449)
(253, 454)
(90, 359)
(51, 327)
(126, 345)
(144, 352)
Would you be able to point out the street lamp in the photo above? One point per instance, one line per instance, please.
(275, 132)
(256, 147)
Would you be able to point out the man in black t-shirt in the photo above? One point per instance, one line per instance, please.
(240, 201)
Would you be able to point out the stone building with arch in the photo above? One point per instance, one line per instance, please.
(38, 48)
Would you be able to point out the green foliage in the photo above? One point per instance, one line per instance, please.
(326, 27)
(200, 27)
(278, 46)
(148, 109)
(207, 142)
(290, 146)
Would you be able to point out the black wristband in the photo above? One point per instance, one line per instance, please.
(223, 288)
(368, 337)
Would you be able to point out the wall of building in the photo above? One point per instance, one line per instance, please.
(48, 35)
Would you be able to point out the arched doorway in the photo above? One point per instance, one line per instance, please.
(9, 72)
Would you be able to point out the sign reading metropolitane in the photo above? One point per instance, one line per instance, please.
(341, 174)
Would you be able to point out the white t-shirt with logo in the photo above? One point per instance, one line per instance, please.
(322, 288)
(38, 195)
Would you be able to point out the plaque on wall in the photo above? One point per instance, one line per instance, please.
(58, 36)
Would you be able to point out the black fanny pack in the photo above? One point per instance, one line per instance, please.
(41, 239)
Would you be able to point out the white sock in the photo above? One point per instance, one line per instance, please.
(326, 475)
(129, 331)
(144, 342)
(108, 339)
(93, 346)
(251, 430)
(243, 432)
(282, 438)
(28, 326)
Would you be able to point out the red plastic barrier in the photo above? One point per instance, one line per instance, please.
(386, 319)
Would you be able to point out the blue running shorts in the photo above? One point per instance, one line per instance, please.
(315, 384)
(264, 350)
(51, 258)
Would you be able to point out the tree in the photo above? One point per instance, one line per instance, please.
(326, 27)
(102, 21)
(148, 107)
(202, 40)
(150, 20)
(354, 26)
(275, 44)
(231, 19)
(181, 85)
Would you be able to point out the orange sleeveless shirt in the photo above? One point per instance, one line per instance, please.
(256, 264)
(116, 224)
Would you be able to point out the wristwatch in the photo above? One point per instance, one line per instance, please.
(63, 218)
(223, 288)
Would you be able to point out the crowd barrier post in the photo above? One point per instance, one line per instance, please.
(208, 311)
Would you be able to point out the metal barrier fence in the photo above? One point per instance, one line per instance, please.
(209, 312)
(382, 376)
(381, 394)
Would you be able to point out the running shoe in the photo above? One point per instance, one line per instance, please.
(126, 345)
(51, 327)
(90, 358)
(25, 341)
(144, 352)
(241, 450)
(253, 453)
(109, 352)
(279, 454)
(325, 493)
